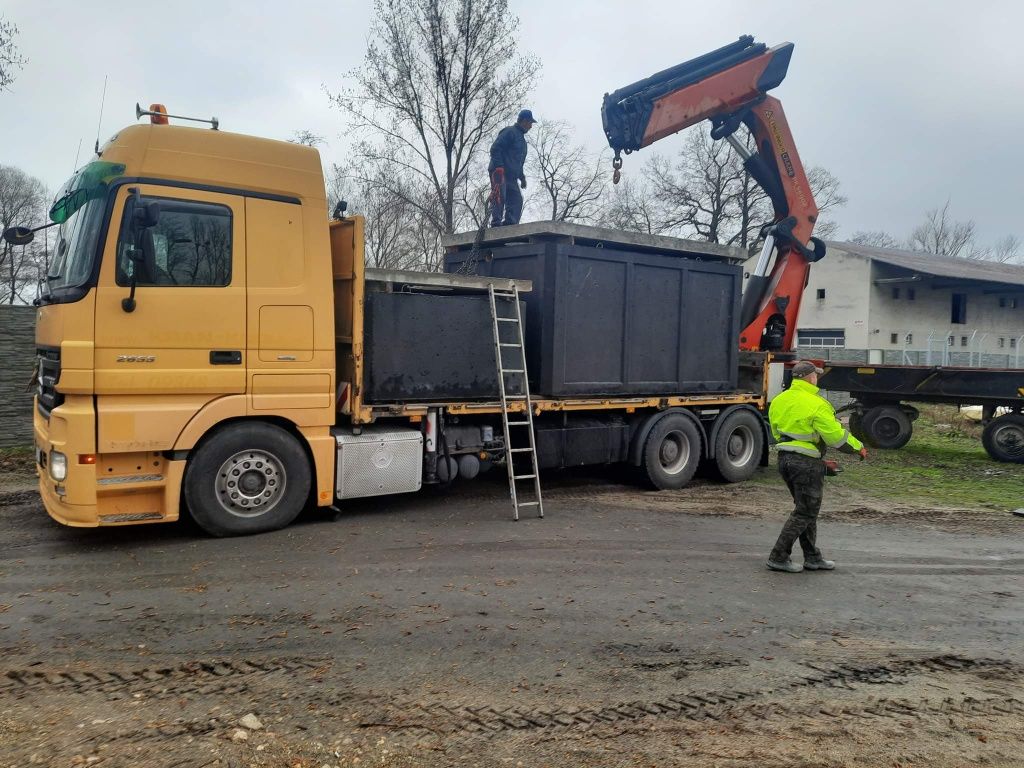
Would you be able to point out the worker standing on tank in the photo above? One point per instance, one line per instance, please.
(508, 156)
(804, 424)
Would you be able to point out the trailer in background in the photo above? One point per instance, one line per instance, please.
(880, 415)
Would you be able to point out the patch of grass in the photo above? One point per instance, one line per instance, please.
(943, 464)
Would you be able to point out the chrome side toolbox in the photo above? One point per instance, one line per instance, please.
(380, 461)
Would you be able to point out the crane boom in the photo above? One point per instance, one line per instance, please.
(729, 87)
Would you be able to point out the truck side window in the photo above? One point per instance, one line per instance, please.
(191, 245)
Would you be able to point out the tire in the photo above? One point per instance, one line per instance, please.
(857, 426)
(672, 452)
(738, 446)
(886, 427)
(1003, 438)
(247, 478)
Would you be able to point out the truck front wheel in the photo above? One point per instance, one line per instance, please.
(672, 452)
(247, 478)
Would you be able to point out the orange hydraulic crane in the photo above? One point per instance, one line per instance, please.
(729, 86)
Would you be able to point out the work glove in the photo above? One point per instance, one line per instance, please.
(832, 468)
(522, 182)
(497, 184)
(863, 453)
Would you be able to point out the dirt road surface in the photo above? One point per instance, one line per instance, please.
(625, 629)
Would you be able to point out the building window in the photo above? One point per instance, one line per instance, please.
(1002, 342)
(1013, 343)
(911, 295)
(821, 337)
(893, 337)
(1002, 301)
(958, 309)
(821, 294)
(910, 338)
(895, 293)
(963, 341)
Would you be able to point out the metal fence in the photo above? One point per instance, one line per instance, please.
(955, 349)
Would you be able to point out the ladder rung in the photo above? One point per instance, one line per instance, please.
(507, 319)
(523, 477)
(508, 344)
(512, 370)
(529, 503)
(519, 450)
(519, 423)
(515, 397)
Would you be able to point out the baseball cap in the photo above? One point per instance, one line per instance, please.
(526, 115)
(806, 368)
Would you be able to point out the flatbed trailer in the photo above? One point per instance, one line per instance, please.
(880, 415)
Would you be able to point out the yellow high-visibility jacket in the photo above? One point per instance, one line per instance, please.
(803, 421)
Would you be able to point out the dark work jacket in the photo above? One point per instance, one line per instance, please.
(509, 152)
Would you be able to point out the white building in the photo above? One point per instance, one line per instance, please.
(886, 305)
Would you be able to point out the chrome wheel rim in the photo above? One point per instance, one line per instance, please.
(250, 483)
(739, 448)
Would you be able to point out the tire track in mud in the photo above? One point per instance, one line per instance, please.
(454, 720)
(195, 677)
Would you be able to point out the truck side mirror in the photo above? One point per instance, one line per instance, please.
(144, 218)
(19, 235)
(147, 214)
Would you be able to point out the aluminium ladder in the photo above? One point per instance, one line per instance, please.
(501, 298)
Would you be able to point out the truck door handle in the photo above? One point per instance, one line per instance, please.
(225, 357)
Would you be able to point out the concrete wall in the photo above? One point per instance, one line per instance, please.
(846, 280)
(17, 359)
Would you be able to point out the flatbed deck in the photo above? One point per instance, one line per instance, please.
(927, 384)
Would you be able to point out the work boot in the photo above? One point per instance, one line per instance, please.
(786, 566)
(821, 564)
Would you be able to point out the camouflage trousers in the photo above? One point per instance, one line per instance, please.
(805, 478)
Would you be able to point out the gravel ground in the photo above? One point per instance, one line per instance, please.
(627, 628)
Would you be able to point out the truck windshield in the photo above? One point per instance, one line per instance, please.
(78, 208)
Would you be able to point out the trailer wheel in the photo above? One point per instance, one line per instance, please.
(857, 426)
(887, 427)
(738, 446)
(247, 478)
(1003, 438)
(672, 452)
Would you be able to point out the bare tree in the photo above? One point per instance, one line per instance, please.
(307, 138)
(632, 207)
(22, 203)
(11, 61)
(439, 78)
(827, 195)
(875, 238)
(708, 194)
(941, 235)
(574, 181)
(697, 195)
(1006, 250)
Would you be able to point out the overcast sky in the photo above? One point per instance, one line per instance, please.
(907, 103)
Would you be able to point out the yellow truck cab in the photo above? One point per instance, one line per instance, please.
(230, 319)
(201, 343)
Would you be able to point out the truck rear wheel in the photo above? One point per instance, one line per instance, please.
(738, 446)
(672, 452)
(247, 478)
(887, 427)
(1003, 438)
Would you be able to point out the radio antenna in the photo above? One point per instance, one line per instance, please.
(77, 153)
(103, 100)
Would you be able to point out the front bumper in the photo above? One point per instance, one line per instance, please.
(104, 489)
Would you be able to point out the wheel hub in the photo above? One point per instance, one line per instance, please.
(674, 452)
(250, 483)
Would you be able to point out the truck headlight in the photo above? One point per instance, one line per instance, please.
(58, 466)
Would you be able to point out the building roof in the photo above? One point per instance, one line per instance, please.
(938, 266)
